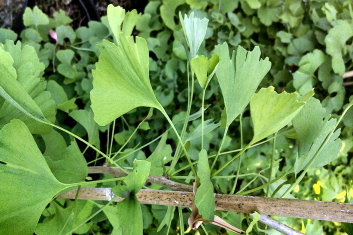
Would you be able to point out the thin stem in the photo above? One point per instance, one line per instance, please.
(223, 153)
(240, 158)
(111, 140)
(188, 111)
(202, 117)
(271, 164)
(180, 141)
(88, 144)
(231, 160)
(80, 184)
(129, 139)
(220, 147)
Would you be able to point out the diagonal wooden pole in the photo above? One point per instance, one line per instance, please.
(329, 211)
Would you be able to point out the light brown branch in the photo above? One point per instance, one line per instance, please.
(160, 180)
(348, 74)
(329, 211)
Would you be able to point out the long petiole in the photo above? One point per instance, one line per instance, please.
(88, 144)
(240, 158)
(180, 141)
(271, 164)
(220, 147)
(231, 160)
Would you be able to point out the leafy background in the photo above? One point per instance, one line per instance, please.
(308, 42)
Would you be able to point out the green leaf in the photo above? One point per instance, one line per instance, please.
(68, 165)
(85, 119)
(336, 44)
(304, 76)
(239, 77)
(271, 111)
(255, 219)
(194, 30)
(130, 217)
(22, 88)
(160, 156)
(121, 80)
(167, 219)
(313, 126)
(202, 67)
(167, 11)
(65, 31)
(27, 185)
(7, 34)
(121, 22)
(34, 17)
(205, 201)
(204, 198)
(65, 219)
(135, 180)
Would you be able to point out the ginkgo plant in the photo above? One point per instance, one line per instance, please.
(32, 178)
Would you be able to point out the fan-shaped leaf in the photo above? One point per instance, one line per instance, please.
(121, 80)
(271, 111)
(27, 185)
(239, 77)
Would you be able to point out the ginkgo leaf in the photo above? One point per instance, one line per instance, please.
(121, 80)
(271, 111)
(23, 89)
(204, 198)
(202, 67)
(66, 219)
(239, 77)
(86, 119)
(34, 17)
(120, 22)
(27, 185)
(312, 126)
(195, 31)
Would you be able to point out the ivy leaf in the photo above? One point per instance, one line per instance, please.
(308, 64)
(159, 157)
(27, 185)
(239, 77)
(194, 30)
(313, 126)
(204, 198)
(168, 12)
(22, 88)
(271, 111)
(121, 80)
(202, 67)
(34, 17)
(120, 22)
(336, 43)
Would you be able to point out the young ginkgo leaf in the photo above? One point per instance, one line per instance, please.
(204, 198)
(194, 30)
(120, 22)
(27, 185)
(239, 77)
(121, 80)
(22, 88)
(271, 111)
(202, 67)
(312, 126)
